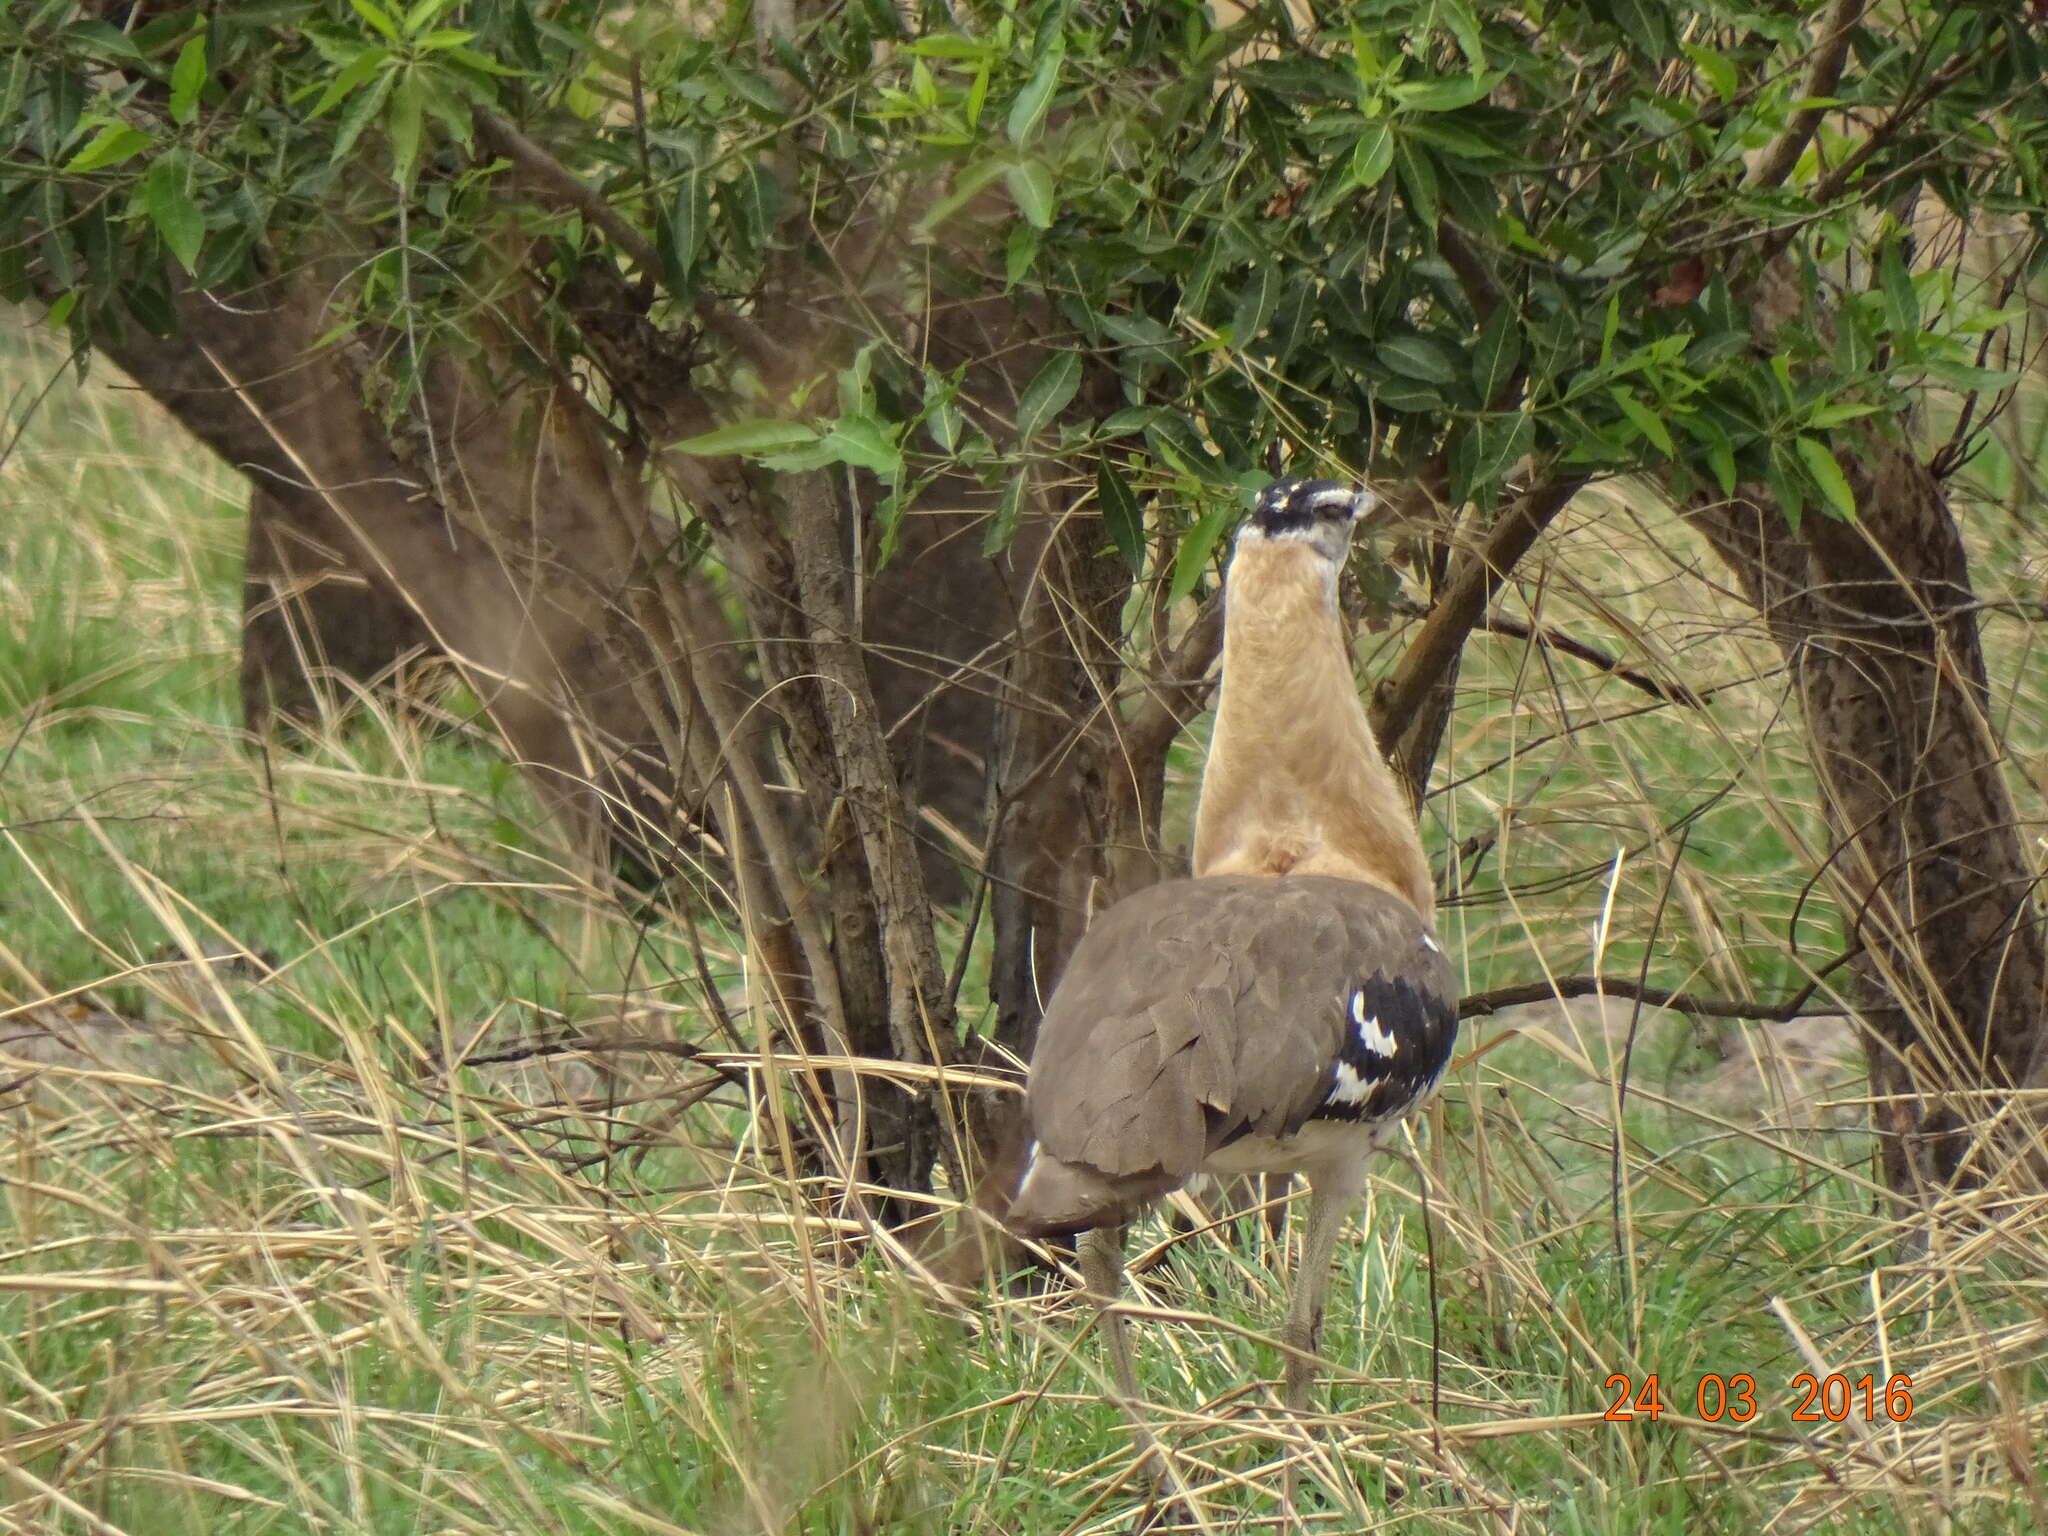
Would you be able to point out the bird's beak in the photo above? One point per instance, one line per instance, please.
(1370, 510)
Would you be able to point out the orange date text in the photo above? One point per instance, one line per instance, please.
(1733, 1399)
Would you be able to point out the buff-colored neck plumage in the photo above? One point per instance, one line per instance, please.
(1295, 783)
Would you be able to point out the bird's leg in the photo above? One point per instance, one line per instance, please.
(1273, 1188)
(1102, 1268)
(1331, 1199)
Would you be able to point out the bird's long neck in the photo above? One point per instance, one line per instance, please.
(1295, 783)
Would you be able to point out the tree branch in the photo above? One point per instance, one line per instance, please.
(1557, 640)
(1831, 186)
(564, 186)
(1464, 602)
(1181, 683)
(1480, 1004)
(919, 1019)
(1474, 276)
(1830, 53)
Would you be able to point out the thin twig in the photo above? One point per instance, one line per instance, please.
(1464, 602)
(1552, 639)
(1479, 1004)
(501, 137)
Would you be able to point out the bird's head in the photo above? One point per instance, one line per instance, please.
(1319, 513)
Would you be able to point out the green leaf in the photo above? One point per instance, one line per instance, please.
(748, 438)
(1646, 25)
(188, 79)
(449, 109)
(96, 37)
(1446, 95)
(1405, 395)
(1644, 420)
(1721, 460)
(1834, 415)
(1483, 452)
(1121, 517)
(1463, 23)
(1785, 486)
(1962, 376)
(1901, 301)
(422, 14)
(483, 64)
(402, 127)
(377, 17)
(948, 45)
(338, 50)
(1420, 357)
(1715, 68)
(865, 443)
(1031, 185)
(966, 188)
(1195, 548)
(161, 195)
(1827, 473)
(1019, 252)
(818, 453)
(1003, 526)
(110, 146)
(357, 115)
(1028, 111)
(1457, 141)
(1132, 418)
(358, 69)
(1497, 355)
(684, 233)
(1255, 305)
(1417, 175)
(1173, 438)
(1720, 451)
(14, 271)
(1373, 155)
(1047, 394)
(977, 97)
(942, 419)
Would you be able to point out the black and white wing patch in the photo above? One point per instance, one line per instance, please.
(1395, 1048)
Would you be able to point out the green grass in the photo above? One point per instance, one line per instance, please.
(278, 1262)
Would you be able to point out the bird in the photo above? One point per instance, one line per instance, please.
(1283, 1008)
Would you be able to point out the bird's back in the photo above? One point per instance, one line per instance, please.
(1203, 1014)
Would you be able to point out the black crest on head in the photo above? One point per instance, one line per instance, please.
(1289, 506)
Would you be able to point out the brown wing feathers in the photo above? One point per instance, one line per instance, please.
(1199, 1011)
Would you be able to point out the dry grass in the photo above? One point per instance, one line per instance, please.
(283, 1254)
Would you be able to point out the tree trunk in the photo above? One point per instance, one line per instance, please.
(312, 619)
(521, 578)
(1877, 621)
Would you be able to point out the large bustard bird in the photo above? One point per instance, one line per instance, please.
(1286, 1007)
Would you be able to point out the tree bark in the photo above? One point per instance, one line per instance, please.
(1877, 621)
(312, 620)
(515, 573)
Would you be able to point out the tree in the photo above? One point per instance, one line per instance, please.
(665, 365)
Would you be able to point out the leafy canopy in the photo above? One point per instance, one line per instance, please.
(1428, 238)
